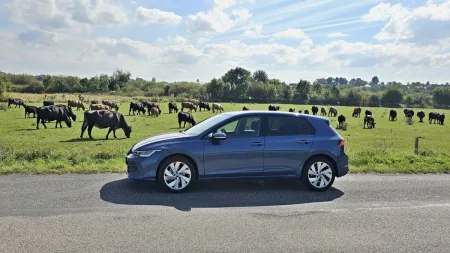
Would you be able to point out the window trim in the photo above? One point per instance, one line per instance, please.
(261, 126)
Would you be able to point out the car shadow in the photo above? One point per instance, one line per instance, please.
(216, 194)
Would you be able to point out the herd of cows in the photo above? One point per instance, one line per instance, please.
(102, 115)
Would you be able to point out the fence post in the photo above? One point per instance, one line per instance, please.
(416, 146)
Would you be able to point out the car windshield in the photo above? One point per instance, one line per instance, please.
(206, 124)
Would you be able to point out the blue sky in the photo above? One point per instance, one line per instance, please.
(178, 40)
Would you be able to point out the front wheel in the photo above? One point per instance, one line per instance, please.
(318, 174)
(176, 174)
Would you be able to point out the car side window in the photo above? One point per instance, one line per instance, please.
(243, 127)
(289, 126)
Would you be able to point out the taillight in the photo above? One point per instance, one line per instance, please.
(341, 142)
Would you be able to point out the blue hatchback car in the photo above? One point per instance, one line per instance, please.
(243, 144)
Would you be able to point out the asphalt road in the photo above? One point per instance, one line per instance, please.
(107, 213)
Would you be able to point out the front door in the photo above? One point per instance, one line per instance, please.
(288, 141)
(240, 154)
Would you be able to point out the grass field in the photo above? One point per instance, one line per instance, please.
(389, 148)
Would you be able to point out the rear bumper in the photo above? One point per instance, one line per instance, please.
(342, 166)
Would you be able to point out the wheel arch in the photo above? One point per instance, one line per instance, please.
(314, 156)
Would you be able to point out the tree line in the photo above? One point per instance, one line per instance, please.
(240, 85)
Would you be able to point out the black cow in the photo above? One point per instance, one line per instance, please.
(150, 105)
(173, 107)
(205, 106)
(105, 119)
(300, 111)
(341, 121)
(392, 115)
(15, 101)
(291, 109)
(30, 109)
(408, 111)
(185, 117)
(333, 112)
(433, 116)
(441, 119)
(274, 108)
(421, 115)
(55, 112)
(368, 113)
(369, 121)
(306, 112)
(315, 110)
(323, 111)
(357, 112)
(245, 108)
(48, 102)
(94, 102)
(134, 106)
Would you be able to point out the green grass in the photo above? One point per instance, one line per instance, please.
(389, 148)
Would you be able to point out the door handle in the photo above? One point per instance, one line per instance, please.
(303, 142)
(256, 143)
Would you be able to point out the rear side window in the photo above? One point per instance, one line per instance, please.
(289, 126)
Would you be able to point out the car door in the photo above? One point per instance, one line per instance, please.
(288, 141)
(240, 154)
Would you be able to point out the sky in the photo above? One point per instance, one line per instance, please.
(186, 40)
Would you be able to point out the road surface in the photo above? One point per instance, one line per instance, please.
(108, 213)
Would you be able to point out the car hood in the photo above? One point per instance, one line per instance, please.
(159, 138)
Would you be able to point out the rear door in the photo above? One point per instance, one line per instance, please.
(287, 143)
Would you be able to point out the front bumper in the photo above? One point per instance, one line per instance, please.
(142, 168)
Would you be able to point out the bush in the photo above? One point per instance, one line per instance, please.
(3, 107)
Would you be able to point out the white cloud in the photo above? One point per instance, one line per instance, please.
(337, 34)
(127, 47)
(37, 38)
(253, 31)
(172, 40)
(156, 16)
(297, 34)
(224, 4)
(241, 14)
(384, 11)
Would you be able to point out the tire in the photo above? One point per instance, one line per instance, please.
(321, 166)
(176, 174)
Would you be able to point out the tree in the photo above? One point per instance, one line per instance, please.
(441, 96)
(330, 80)
(5, 83)
(215, 88)
(103, 84)
(287, 93)
(343, 81)
(153, 80)
(354, 97)
(257, 91)
(119, 79)
(166, 90)
(374, 100)
(375, 80)
(317, 88)
(392, 96)
(302, 91)
(335, 91)
(260, 76)
(237, 76)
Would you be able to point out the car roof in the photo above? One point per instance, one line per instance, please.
(237, 113)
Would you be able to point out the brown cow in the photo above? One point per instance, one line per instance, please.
(76, 103)
(196, 102)
(100, 107)
(217, 107)
(111, 104)
(188, 105)
(154, 112)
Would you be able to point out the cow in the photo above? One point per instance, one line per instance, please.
(94, 102)
(291, 109)
(48, 102)
(15, 101)
(306, 112)
(341, 121)
(30, 109)
(300, 111)
(196, 102)
(315, 109)
(333, 112)
(408, 111)
(150, 105)
(96, 107)
(205, 106)
(54, 112)
(441, 119)
(111, 104)
(154, 112)
(356, 112)
(245, 108)
(323, 111)
(188, 105)
(274, 108)
(217, 108)
(421, 115)
(134, 106)
(392, 115)
(185, 117)
(369, 120)
(76, 103)
(173, 107)
(105, 119)
(433, 116)
(368, 113)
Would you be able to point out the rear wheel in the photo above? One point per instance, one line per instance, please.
(176, 174)
(318, 174)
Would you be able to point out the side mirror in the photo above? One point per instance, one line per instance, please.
(219, 136)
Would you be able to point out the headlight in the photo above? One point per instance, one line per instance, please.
(146, 153)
